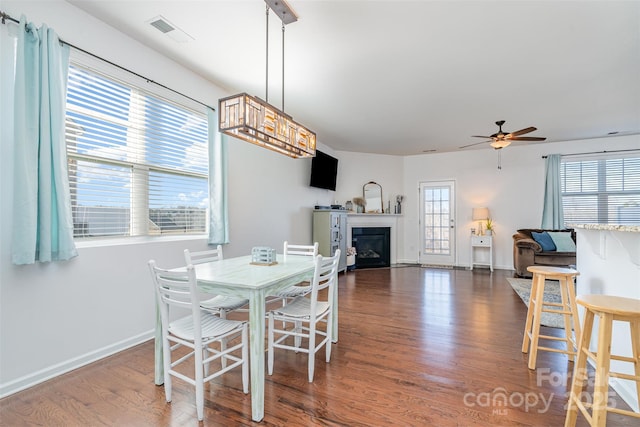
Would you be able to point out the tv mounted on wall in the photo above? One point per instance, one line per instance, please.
(324, 171)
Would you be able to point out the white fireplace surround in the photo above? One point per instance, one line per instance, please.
(376, 220)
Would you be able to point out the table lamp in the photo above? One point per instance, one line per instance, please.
(480, 214)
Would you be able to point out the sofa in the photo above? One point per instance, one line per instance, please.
(532, 246)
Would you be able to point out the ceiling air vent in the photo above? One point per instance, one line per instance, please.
(162, 25)
(165, 27)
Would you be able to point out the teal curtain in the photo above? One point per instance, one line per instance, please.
(42, 220)
(552, 214)
(218, 217)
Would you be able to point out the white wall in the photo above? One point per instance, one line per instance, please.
(357, 169)
(55, 317)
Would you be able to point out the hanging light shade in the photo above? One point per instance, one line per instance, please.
(500, 143)
(258, 122)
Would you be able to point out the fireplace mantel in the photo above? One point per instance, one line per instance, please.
(376, 220)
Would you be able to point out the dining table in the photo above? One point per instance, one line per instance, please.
(240, 277)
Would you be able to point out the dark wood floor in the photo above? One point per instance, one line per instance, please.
(417, 347)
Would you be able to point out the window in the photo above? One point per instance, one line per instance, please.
(138, 163)
(601, 190)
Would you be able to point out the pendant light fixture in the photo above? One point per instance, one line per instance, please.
(256, 121)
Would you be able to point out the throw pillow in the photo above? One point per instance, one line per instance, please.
(563, 241)
(544, 240)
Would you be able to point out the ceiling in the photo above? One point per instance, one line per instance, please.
(408, 77)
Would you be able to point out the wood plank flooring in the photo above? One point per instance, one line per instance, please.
(417, 347)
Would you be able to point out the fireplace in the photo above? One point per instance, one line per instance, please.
(373, 246)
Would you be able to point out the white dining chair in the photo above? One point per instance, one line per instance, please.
(197, 331)
(219, 304)
(298, 289)
(302, 316)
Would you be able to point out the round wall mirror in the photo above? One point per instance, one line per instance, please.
(372, 193)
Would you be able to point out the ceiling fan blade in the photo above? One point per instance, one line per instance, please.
(523, 131)
(475, 143)
(527, 138)
(480, 136)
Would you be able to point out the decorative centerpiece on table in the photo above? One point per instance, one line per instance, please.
(351, 258)
(263, 255)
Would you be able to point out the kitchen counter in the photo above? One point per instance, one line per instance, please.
(608, 259)
(607, 227)
(598, 236)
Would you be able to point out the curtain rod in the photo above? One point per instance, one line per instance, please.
(594, 152)
(5, 16)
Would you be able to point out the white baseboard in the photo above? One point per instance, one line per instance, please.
(459, 266)
(626, 392)
(53, 371)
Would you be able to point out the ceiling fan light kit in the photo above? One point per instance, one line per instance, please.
(256, 121)
(501, 139)
(501, 143)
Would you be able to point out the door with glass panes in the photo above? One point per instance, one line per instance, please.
(437, 223)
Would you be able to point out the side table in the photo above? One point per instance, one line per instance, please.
(481, 243)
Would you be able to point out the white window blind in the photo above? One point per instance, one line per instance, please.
(138, 163)
(601, 190)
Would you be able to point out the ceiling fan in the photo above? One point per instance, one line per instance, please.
(503, 139)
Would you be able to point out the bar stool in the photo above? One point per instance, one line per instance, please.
(607, 308)
(567, 308)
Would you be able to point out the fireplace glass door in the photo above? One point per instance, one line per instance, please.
(373, 246)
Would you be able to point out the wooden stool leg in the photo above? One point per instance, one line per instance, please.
(535, 334)
(635, 348)
(603, 360)
(566, 306)
(574, 315)
(579, 370)
(526, 340)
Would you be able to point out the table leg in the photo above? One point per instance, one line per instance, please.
(256, 349)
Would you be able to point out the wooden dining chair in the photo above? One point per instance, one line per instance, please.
(197, 332)
(302, 316)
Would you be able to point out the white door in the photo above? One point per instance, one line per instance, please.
(437, 225)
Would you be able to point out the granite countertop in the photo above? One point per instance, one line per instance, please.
(607, 227)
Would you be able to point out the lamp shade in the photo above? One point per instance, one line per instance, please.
(480, 214)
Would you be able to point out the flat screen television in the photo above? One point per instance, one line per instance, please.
(324, 171)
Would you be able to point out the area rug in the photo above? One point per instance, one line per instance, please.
(551, 294)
